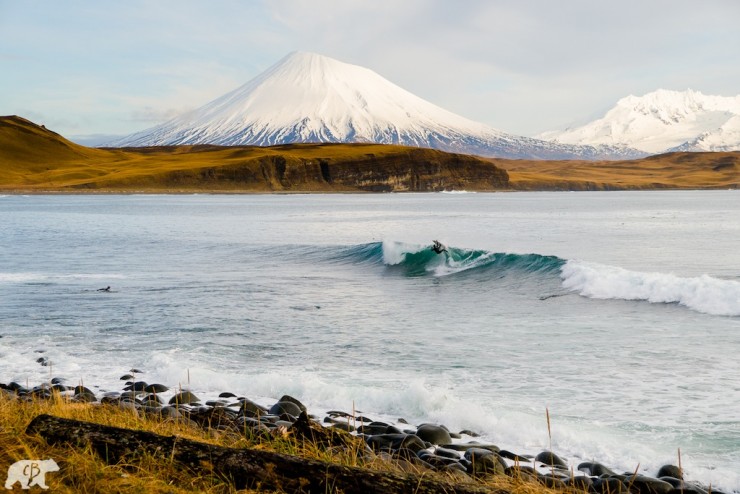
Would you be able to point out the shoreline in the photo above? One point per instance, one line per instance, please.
(425, 446)
(167, 191)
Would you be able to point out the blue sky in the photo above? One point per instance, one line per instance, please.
(523, 66)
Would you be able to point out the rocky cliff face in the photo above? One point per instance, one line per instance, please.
(405, 170)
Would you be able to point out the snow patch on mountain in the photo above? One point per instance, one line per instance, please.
(307, 97)
(661, 121)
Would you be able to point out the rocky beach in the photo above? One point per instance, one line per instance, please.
(412, 447)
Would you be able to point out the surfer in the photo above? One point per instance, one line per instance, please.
(106, 289)
(438, 248)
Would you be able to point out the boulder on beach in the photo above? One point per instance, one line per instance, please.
(185, 397)
(642, 484)
(384, 442)
(670, 471)
(595, 469)
(295, 401)
(435, 434)
(551, 459)
(288, 407)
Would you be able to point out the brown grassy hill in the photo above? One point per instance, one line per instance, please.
(664, 171)
(33, 158)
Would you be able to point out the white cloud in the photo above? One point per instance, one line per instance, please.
(524, 66)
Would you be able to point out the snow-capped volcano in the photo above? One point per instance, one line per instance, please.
(307, 97)
(663, 121)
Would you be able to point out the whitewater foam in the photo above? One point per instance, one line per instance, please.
(703, 293)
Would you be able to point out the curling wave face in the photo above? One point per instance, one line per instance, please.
(703, 294)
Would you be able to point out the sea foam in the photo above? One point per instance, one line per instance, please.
(702, 293)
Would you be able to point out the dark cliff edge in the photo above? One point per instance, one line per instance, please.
(393, 170)
(33, 158)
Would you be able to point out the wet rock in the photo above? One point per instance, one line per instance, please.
(447, 453)
(643, 484)
(551, 459)
(482, 464)
(126, 377)
(82, 389)
(594, 469)
(609, 485)
(580, 482)
(435, 434)
(213, 418)
(375, 428)
(138, 386)
(343, 426)
(150, 402)
(438, 462)
(217, 403)
(170, 413)
(381, 442)
(184, 397)
(84, 397)
(466, 446)
(14, 386)
(670, 471)
(248, 408)
(513, 456)
(290, 399)
(469, 433)
(522, 472)
(553, 482)
(156, 388)
(285, 407)
(227, 394)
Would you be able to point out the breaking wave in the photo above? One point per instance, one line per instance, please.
(704, 293)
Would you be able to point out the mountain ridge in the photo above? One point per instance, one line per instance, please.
(662, 121)
(306, 97)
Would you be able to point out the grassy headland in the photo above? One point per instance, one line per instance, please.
(663, 171)
(35, 159)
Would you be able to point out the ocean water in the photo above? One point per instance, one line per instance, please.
(617, 312)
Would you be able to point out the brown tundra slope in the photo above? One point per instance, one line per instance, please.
(33, 158)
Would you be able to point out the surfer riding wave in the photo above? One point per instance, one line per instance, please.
(437, 247)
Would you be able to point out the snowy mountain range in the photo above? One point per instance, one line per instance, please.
(663, 121)
(307, 97)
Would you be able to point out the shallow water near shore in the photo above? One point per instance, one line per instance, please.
(619, 312)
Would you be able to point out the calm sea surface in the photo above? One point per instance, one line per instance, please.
(619, 312)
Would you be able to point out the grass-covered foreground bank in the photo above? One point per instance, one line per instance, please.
(85, 468)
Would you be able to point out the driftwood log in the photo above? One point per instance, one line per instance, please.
(242, 468)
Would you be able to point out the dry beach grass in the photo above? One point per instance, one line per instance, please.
(82, 470)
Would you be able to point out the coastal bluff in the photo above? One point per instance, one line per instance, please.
(33, 158)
